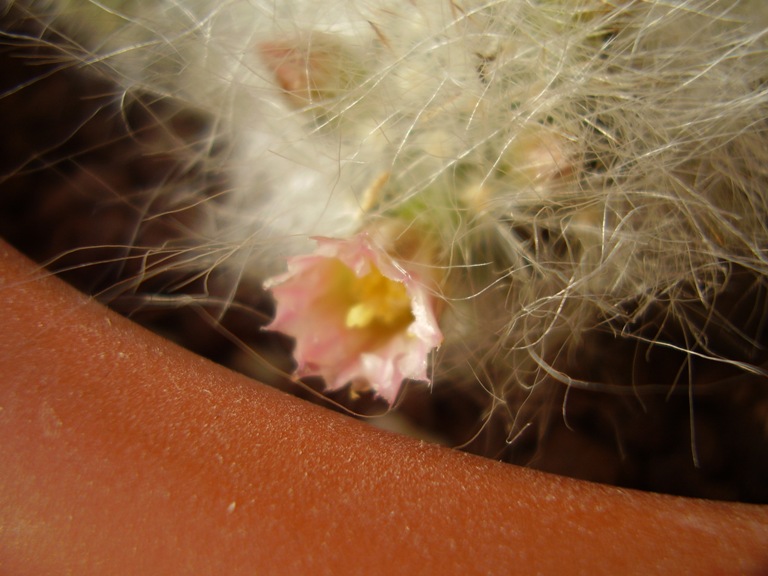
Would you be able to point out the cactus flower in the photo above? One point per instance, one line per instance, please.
(357, 317)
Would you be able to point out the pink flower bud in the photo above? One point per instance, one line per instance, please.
(311, 70)
(357, 316)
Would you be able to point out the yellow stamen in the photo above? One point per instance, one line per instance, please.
(377, 300)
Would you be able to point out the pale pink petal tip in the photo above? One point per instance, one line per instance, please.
(357, 316)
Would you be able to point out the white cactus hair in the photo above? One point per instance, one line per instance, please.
(583, 171)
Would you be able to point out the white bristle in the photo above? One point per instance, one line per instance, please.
(572, 166)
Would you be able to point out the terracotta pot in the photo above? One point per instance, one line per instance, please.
(123, 454)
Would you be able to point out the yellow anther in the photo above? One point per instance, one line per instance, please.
(377, 300)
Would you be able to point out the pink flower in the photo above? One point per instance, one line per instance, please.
(357, 317)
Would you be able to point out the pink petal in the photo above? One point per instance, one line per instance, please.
(313, 306)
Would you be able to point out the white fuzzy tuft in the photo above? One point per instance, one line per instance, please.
(573, 166)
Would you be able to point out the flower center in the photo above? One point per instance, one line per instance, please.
(377, 300)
